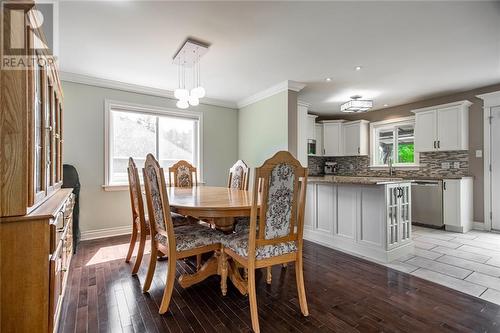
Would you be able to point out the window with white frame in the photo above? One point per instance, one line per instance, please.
(134, 131)
(393, 141)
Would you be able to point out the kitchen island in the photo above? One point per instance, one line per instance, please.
(367, 216)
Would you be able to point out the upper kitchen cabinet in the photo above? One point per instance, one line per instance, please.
(332, 138)
(311, 126)
(442, 127)
(319, 139)
(355, 138)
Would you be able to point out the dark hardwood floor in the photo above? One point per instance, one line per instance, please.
(345, 294)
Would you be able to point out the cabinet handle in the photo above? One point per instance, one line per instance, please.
(49, 128)
(444, 186)
(435, 145)
(359, 150)
(439, 144)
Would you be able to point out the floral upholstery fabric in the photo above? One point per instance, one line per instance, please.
(242, 224)
(184, 177)
(238, 242)
(192, 236)
(156, 199)
(179, 220)
(237, 178)
(279, 202)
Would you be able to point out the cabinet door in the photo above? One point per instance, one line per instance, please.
(425, 131)
(451, 202)
(55, 284)
(37, 131)
(392, 205)
(405, 213)
(311, 127)
(351, 139)
(332, 139)
(449, 129)
(319, 139)
(310, 210)
(326, 208)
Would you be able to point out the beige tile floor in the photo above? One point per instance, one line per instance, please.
(467, 262)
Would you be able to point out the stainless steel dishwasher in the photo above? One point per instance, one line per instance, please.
(427, 202)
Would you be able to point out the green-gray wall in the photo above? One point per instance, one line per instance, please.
(263, 129)
(84, 148)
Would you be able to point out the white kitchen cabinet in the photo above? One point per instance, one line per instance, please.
(332, 138)
(319, 139)
(311, 126)
(443, 127)
(325, 194)
(302, 133)
(398, 204)
(355, 138)
(457, 204)
(369, 220)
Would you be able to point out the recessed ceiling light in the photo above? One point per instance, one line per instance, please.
(358, 68)
(386, 105)
(328, 79)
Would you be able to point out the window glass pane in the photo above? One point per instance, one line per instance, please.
(385, 146)
(406, 141)
(134, 135)
(176, 140)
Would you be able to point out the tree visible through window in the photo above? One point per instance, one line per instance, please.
(393, 142)
(135, 134)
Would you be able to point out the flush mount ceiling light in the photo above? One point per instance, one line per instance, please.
(187, 59)
(358, 68)
(356, 105)
(328, 79)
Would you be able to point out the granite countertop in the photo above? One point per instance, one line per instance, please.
(354, 180)
(327, 178)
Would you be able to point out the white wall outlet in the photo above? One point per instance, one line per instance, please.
(456, 165)
(479, 153)
(445, 165)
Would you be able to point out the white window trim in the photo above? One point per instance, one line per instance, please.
(389, 124)
(152, 110)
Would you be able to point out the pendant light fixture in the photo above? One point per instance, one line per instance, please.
(356, 105)
(187, 59)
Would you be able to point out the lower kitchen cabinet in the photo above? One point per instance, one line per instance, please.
(458, 204)
(368, 220)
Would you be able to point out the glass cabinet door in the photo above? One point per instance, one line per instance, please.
(58, 154)
(48, 134)
(38, 130)
(392, 201)
(405, 212)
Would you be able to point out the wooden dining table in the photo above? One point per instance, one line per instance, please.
(219, 205)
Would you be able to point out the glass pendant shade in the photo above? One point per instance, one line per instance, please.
(182, 104)
(198, 92)
(181, 94)
(193, 100)
(356, 105)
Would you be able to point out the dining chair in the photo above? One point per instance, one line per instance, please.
(177, 243)
(279, 238)
(238, 176)
(140, 223)
(182, 174)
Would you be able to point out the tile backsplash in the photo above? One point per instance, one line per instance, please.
(430, 165)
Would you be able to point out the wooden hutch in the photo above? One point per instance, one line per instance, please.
(35, 213)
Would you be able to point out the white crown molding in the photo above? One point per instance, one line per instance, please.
(490, 99)
(276, 89)
(303, 103)
(135, 88)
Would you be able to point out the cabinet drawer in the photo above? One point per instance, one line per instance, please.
(55, 284)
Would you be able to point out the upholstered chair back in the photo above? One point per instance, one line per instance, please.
(238, 176)
(182, 174)
(134, 186)
(160, 220)
(282, 182)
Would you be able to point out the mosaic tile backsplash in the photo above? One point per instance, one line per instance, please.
(430, 165)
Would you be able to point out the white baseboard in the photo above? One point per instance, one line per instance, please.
(478, 226)
(106, 232)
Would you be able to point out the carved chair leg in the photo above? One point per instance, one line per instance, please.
(169, 286)
(133, 239)
(245, 274)
(299, 275)
(223, 276)
(269, 275)
(140, 253)
(151, 269)
(252, 297)
(285, 265)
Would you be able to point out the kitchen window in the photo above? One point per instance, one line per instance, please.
(134, 131)
(393, 141)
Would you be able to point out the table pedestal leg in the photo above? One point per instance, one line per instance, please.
(209, 268)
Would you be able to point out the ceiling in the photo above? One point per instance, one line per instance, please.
(408, 50)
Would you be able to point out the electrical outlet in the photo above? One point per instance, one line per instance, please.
(456, 165)
(479, 153)
(445, 165)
